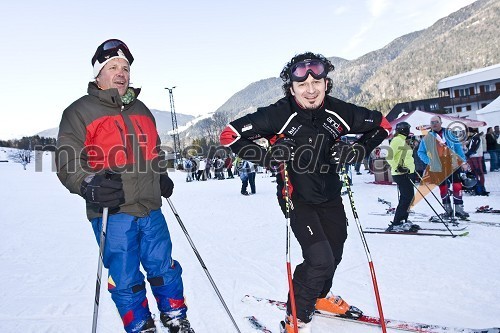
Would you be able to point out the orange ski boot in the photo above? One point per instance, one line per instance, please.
(336, 305)
(286, 326)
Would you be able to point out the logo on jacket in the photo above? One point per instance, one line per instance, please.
(334, 128)
(247, 127)
(292, 131)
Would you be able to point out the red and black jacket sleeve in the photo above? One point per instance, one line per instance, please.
(373, 126)
(240, 134)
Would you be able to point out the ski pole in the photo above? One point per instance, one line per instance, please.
(423, 182)
(288, 264)
(202, 263)
(439, 216)
(367, 250)
(438, 201)
(102, 241)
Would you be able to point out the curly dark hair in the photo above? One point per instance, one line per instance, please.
(285, 73)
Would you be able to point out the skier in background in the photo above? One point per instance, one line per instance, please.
(443, 154)
(403, 173)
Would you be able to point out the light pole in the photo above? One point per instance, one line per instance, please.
(175, 129)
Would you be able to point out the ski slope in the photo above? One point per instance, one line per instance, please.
(49, 258)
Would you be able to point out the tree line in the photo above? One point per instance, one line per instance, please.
(34, 142)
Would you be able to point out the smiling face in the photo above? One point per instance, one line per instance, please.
(115, 74)
(310, 93)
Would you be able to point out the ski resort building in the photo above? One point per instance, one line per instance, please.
(468, 92)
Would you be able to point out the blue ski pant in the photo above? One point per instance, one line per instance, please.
(130, 242)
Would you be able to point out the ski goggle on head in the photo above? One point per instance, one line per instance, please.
(301, 70)
(110, 49)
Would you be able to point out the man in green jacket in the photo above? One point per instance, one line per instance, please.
(108, 152)
(403, 173)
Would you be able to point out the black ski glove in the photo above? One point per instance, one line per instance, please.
(344, 153)
(104, 190)
(402, 169)
(283, 149)
(166, 185)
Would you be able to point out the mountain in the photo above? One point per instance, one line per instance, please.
(163, 122)
(406, 69)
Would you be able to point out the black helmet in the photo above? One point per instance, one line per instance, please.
(403, 128)
(469, 180)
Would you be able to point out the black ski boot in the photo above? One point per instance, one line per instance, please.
(149, 326)
(176, 325)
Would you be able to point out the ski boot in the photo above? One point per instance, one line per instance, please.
(336, 305)
(176, 325)
(286, 326)
(460, 213)
(149, 326)
(410, 226)
(448, 214)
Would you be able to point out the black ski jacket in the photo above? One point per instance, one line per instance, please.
(312, 178)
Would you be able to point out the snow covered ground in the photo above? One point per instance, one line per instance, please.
(49, 258)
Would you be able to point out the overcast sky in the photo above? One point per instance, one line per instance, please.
(208, 49)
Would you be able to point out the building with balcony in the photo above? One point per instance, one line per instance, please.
(460, 95)
(465, 93)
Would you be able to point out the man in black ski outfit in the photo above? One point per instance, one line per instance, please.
(304, 128)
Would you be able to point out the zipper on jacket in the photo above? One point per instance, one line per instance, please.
(124, 139)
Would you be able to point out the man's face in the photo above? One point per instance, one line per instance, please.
(309, 93)
(115, 74)
(497, 129)
(435, 124)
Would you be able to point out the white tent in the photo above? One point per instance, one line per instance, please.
(490, 113)
(420, 122)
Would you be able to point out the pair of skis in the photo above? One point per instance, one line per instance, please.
(366, 320)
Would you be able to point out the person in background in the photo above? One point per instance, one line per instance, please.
(419, 165)
(304, 128)
(493, 149)
(201, 170)
(208, 168)
(403, 173)
(474, 157)
(442, 152)
(105, 138)
(228, 164)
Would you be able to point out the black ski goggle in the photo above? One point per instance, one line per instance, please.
(301, 70)
(110, 49)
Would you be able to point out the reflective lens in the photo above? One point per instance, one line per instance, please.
(301, 70)
(110, 49)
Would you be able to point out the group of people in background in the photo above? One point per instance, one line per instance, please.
(201, 169)
(440, 158)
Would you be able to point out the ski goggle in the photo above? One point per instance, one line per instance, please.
(301, 70)
(110, 49)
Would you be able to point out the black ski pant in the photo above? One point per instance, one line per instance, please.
(321, 230)
(406, 194)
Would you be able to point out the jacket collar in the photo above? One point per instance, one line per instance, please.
(109, 97)
(305, 113)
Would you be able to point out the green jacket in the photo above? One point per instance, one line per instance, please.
(97, 133)
(402, 154)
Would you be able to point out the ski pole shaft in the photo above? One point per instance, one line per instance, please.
(367, 250)
(439, 216)
(288, 262)
(174, 211)
(422, 181)
(102, 242)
